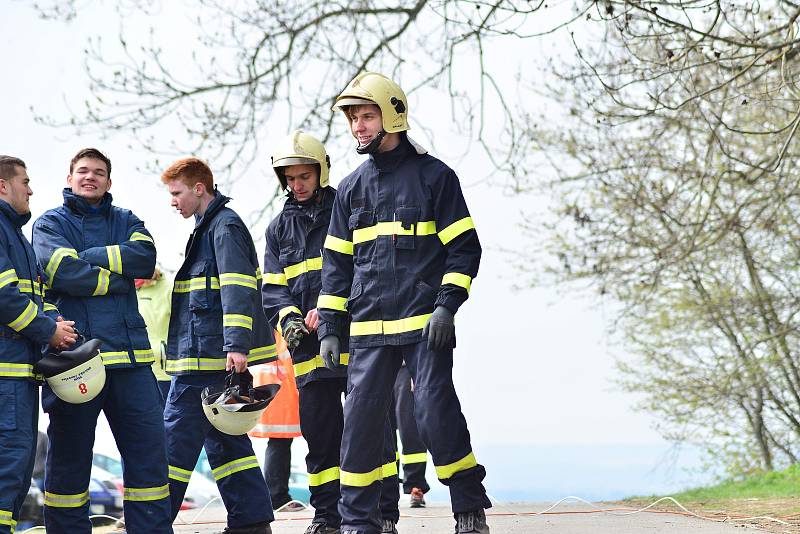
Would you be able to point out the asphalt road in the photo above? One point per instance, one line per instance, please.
(506, 518)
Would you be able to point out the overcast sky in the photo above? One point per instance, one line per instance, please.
(532, 366)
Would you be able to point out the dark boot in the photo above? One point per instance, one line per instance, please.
(258, 528)
(321, 528)
(471, 522)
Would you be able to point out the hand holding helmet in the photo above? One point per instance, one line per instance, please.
(235, 407)
(75, 376)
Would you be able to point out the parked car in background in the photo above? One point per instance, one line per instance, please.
(105, 497)
(198, 493)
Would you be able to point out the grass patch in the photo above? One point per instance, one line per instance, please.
(774, 494)
(784, 483)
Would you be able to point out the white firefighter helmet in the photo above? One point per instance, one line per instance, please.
(299, 148)
(374, 88)
(235, 409)
(75, 376)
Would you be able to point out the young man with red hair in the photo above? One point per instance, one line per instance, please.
(216, 325)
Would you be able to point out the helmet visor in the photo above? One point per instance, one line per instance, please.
(286, 162)
(352, 101)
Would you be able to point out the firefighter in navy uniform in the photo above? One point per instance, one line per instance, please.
(216, 325)
(91, 252)
(292, 282)
(24, 329)
(401, 254)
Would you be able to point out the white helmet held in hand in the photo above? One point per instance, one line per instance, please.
(235, 409)
(75, 376)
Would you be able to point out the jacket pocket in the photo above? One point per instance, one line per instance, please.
(361, 219)
(363, 242)
(355, 293)
(8, 398)
(408, 217)
(290, 256)
(426, 290)
(199, 298)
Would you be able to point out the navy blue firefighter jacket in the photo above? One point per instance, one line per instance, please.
(216, 304)
(293, 277)
(401, 242)
(90, 257)
(24, 326)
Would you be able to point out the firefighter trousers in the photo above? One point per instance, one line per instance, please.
(414, 456)
(233, 462)
(130, 401)
(18, 422)
(321, 422)
(371, 376)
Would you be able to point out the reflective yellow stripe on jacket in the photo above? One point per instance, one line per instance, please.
(8, 277)
(7, 519)
(114, 259)
(25, 318)
(303, 368)
(196, 284)
(458, 279)
(238, 279)
(55, 260)
(397, 326)
(310, 264)
(370, 233)
(16, 370)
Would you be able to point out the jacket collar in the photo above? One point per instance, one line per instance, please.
(213, 208)
(78, 203)
(11, 214)
(390, 160)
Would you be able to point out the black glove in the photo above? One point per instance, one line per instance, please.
(329, 351)
(293, 332)
(439, 330)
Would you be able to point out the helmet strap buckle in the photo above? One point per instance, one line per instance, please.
(372, 146)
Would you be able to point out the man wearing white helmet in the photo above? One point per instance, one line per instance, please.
(401, 253)
(292, 281)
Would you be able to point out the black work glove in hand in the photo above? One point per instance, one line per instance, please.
(329, 351)
(440, 329)
(294, 332)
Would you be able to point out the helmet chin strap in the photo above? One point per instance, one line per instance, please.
(372, 146)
